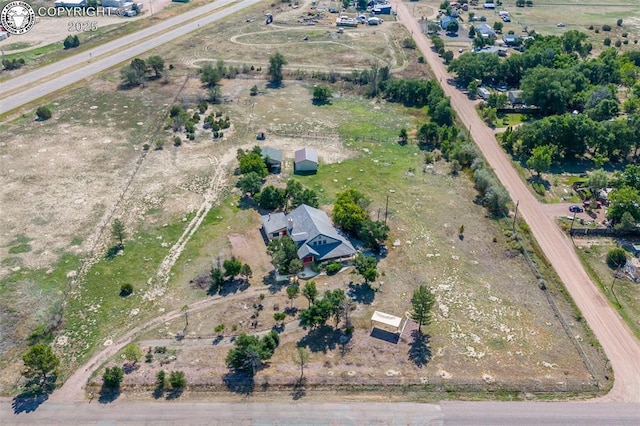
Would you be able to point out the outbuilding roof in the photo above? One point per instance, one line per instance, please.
(306, 154)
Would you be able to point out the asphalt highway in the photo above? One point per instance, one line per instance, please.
(43, 81)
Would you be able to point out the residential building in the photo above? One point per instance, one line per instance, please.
(313, 232)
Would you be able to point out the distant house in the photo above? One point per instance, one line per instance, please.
(382, 9)
(494, 50)
(515, 97)
(311, 229)
(511, 39)
(306, 160)
(261, 134)
(485, 31)
(273, 158)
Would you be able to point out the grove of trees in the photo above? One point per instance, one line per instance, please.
(250, 352)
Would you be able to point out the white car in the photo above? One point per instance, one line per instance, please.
(560, 24)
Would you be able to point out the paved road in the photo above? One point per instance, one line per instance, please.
(24, 89)
(306, 413)
(620, 345)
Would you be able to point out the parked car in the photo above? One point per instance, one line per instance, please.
(576, 209)
(560, 24)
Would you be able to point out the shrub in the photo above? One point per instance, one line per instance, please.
(625, 34)
(43, 113)
(607, 41)
(126, 289)
(177, 141)
(625, 41)
(145, 147)
(591, 27)
(159, 144)
(619, 22)
(112, 378)
(421, 59)
(219, 328)
(606, 27)
(177, 379)
(202, 106)
(597, 31)
(616, 257)
(409, 43)
(618, 43)
(334, 268)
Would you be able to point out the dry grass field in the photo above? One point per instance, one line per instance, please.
(71, 175)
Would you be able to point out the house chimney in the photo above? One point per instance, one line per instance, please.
(269, 217)
(290, 225)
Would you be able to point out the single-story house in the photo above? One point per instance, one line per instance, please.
(511, 39)
(495, 50)
(306, 160)
(444, 22)
(484, 93)
(515, 97)
(273, 158)
(311, 229)
(485, 30)
(382, 9)
(261, 134)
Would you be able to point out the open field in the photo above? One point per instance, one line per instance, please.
(86, 165)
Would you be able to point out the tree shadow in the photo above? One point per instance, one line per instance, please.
(419, 351)
(239, 382)
(321, 339)
(274, 285)
(361, 293)
(320, 102)
(174, 394)
(299, 390)
(158, 392)
(130, 367)
(540, 180)
(274, 84)
(108, 395)
(233, 287)
(112, 252)
(247, 203)
(33, 395)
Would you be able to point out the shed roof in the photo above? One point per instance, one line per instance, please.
(272, 153)
(306, 154)
(386, 319)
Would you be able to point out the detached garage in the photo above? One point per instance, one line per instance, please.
(306, 160)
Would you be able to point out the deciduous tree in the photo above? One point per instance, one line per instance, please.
(276, 62)
(366, 266)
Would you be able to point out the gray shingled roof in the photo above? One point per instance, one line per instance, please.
(306, 154)
(308, 223)
(273, 222)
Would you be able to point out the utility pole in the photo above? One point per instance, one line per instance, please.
(615, 275)
(386, 210)
(515, 215)
(572, 221)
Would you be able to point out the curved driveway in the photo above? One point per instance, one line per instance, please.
(620, 345)
(23, 89)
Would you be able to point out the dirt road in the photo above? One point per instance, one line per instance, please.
(620, 345)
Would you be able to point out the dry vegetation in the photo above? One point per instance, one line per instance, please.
(71, 175)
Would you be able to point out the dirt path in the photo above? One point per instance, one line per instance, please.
(620, 345)
(211, 197)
